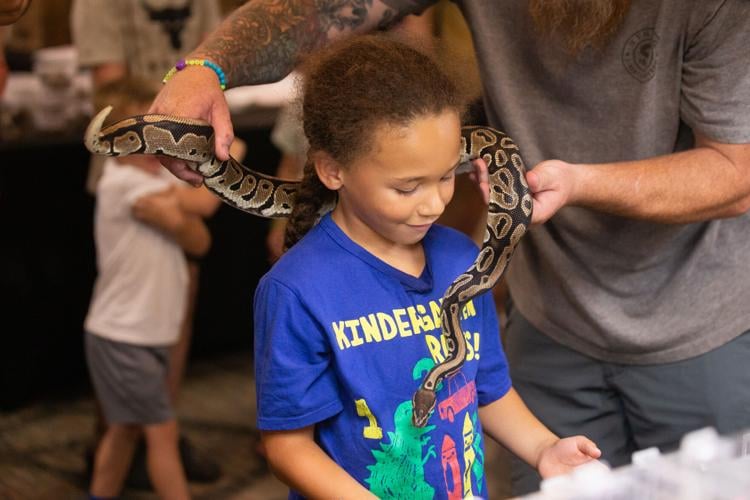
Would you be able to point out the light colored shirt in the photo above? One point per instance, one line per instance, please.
(140, 294)
(149, 36)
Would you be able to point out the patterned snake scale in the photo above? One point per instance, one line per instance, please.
(508, 215)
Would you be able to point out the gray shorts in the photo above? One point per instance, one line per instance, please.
(130, 381)
(624, 408)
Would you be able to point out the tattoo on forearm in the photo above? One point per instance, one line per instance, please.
(343, 14)
(261, 41)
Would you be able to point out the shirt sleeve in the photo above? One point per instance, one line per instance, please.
(295, 379)
(716, 73)
(493, 378)
(96, 32)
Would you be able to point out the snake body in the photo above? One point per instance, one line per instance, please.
(508, 215)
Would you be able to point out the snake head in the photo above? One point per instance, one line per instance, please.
(423, 403)
(91, 137)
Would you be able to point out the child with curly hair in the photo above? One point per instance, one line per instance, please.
(347, 322)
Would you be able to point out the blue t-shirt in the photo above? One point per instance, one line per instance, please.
(342, 341)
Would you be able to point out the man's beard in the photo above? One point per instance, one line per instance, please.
(578, 24)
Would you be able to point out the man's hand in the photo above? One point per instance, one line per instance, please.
(551, 183)
(194, 92)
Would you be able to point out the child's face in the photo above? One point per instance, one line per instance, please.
(393, 195)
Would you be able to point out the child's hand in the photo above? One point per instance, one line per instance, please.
(161, 210)
(565, 454)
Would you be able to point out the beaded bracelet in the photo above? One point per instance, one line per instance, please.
(184, 63)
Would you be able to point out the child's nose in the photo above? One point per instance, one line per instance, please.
(432, 205)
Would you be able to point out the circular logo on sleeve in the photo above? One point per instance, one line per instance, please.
(639, 54)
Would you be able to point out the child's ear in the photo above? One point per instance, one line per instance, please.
(328, 170)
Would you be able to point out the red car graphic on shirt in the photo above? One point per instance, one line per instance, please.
(460, 396)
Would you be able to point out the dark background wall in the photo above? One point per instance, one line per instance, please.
(48, 267)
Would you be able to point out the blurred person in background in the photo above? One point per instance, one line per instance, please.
(143, 39)
(143, 231)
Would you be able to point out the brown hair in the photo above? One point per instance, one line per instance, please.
(350, 89)
(123, 94)
(578, 24)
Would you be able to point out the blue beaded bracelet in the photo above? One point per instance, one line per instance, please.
(184, 63)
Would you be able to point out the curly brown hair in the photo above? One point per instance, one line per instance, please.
(349, 90)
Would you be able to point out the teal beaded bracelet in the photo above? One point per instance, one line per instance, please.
(184, 63)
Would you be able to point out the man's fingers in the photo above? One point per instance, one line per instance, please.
(223, 133)
(534, 180)
(481, 171)
(481, 176)
(180, 170)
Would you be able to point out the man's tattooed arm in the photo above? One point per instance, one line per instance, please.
(261, 41)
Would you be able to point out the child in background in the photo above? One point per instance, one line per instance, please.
(345, 321)
(142, 234)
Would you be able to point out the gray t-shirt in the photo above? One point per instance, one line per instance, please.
(149, 36)
(614, 288)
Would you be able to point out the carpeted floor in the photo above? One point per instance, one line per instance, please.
(42, 446)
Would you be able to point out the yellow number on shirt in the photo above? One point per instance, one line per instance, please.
(371, 431)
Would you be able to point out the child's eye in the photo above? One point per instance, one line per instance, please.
(449, 176)
(406, 191)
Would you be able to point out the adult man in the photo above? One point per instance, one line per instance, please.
(635, 117)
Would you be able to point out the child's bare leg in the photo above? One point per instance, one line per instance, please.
(178, 354)
(113, 456)
(163, 458)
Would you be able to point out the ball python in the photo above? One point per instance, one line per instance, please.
(508, 214)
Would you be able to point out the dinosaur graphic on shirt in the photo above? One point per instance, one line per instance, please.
(398, 472)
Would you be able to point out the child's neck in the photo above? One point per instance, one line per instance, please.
(408, 259)
(412, 264)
